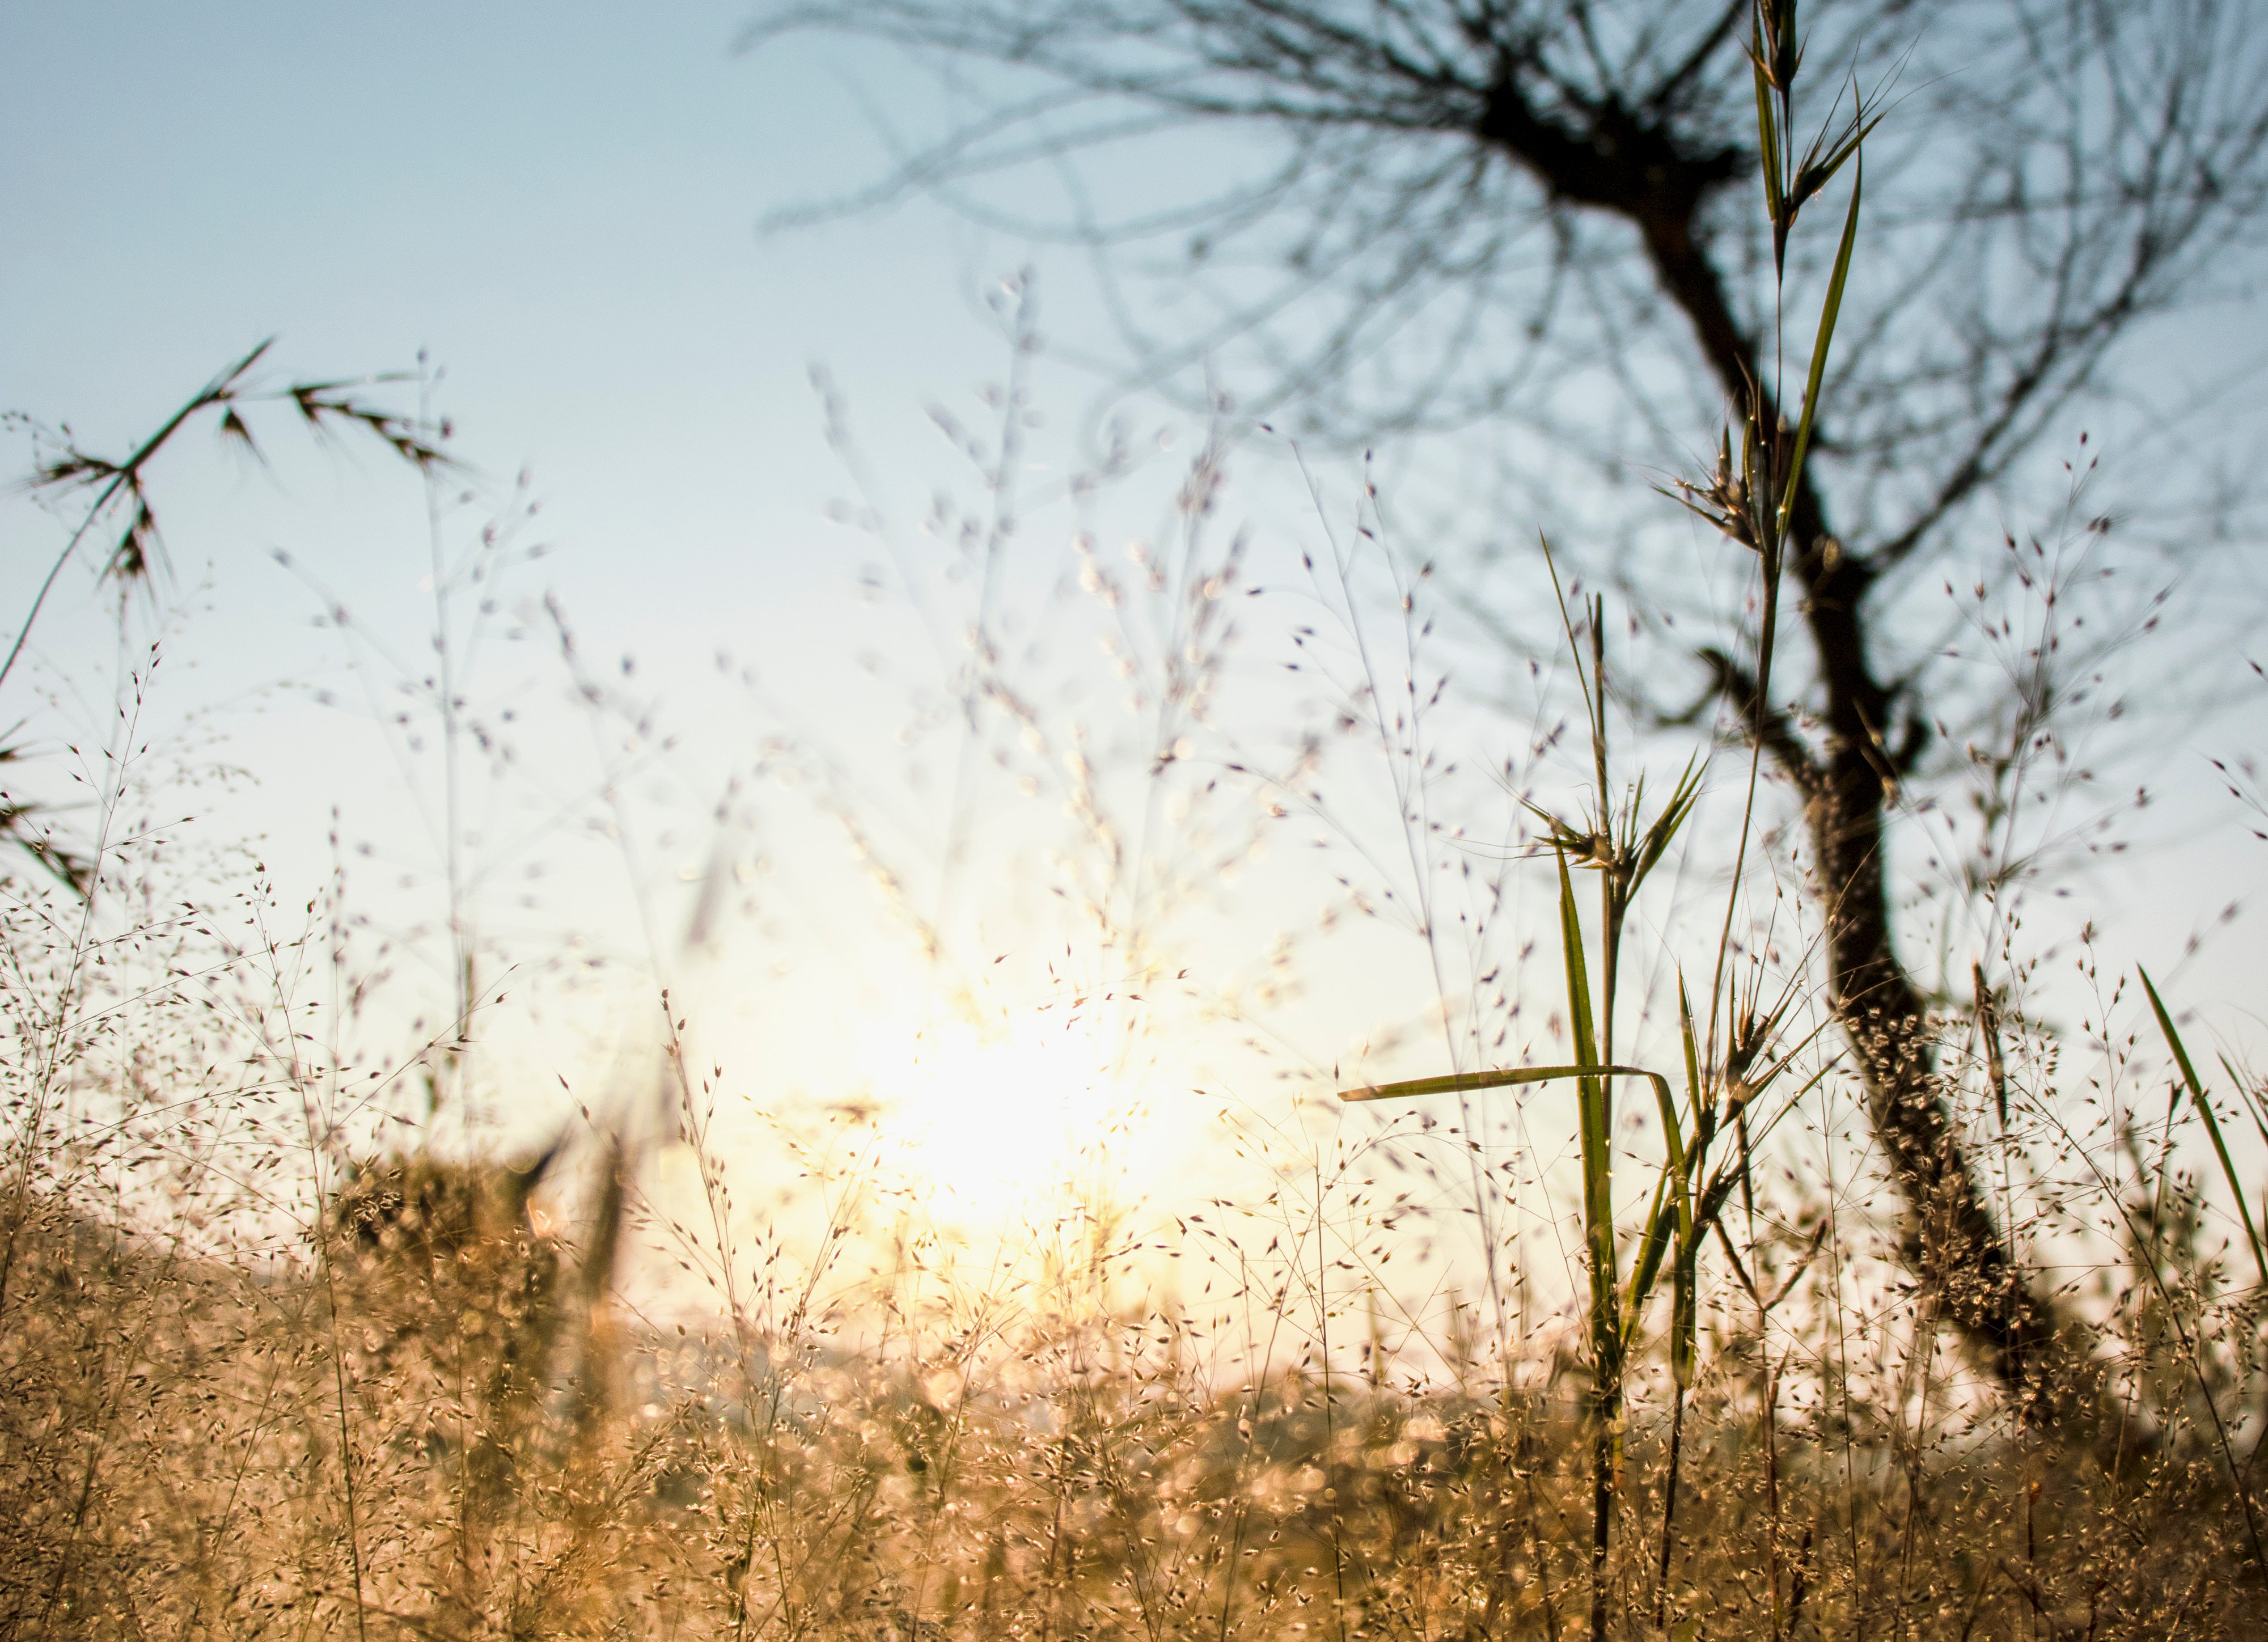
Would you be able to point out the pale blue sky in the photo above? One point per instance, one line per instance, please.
(561, 203)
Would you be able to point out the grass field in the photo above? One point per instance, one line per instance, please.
(1694, 1363)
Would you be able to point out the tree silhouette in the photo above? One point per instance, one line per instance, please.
(1535, 209)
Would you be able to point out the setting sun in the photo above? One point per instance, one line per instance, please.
(991, 1115)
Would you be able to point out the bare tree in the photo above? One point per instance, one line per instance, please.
(1540, 209)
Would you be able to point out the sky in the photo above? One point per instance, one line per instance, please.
(559, 206)
(560, 209)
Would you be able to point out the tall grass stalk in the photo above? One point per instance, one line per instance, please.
(1751, 504)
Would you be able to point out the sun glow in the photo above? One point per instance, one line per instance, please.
(992, 1118)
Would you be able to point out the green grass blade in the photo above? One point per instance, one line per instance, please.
(2211, 1124)
(1653, 1243)
(2252, 1105)
(1674, 814)
(1597, 1120)
(1669, 1217)
(1828, 312)
(1581, 1024)
(1704, 1116)
(1768, 138)
(1672, 1139)
(1468, 1082)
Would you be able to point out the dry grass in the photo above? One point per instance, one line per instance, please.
(446, 1437)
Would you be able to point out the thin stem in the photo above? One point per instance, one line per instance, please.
(126, 477)
(1669, 1509)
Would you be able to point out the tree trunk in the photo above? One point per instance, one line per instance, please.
(1848, 786)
